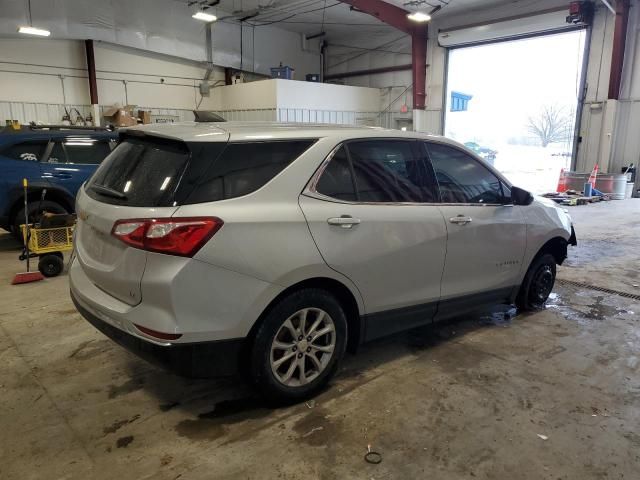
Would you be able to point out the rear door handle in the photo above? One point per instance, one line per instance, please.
(461, 220)
(63, 175)
(344, 221)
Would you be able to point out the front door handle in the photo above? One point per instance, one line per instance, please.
(461, 220)
(345, 221)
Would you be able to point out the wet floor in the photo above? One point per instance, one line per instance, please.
(553, 394)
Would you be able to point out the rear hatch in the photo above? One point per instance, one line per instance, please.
(144, 177)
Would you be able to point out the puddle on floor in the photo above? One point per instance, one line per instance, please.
(596, 307)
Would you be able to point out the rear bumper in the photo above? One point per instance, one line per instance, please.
(201, 359)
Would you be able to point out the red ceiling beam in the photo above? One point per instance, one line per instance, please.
(397, 18)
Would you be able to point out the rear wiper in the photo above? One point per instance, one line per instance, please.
(108, 192)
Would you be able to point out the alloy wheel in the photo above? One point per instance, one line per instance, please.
(303, 347)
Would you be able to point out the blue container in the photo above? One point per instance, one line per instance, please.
(588, 190)
(282, 72)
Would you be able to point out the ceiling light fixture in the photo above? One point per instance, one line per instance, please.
(205, 17)
(34, 31)
(30, 29)
(419, 17)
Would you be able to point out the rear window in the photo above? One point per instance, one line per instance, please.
(153, 172)
(140, 173)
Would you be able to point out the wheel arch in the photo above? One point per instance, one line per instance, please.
(556, 246)
(54, 194)
(344, 295)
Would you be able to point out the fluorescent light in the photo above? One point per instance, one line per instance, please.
(205, 17)
(419, 17)
(34, 31)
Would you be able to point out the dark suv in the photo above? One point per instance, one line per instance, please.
(56, 158)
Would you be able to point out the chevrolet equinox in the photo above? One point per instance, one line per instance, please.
(273, 248)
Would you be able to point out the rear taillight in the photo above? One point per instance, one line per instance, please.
(173, 236)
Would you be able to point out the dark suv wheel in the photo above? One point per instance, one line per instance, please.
(35, 209)
(538, 283)
(298, 346)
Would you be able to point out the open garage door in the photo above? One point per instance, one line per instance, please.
(513, 94)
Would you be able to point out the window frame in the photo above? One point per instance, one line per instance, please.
(310, 189)
(508, 202)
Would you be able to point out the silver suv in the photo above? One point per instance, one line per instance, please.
(273, 248)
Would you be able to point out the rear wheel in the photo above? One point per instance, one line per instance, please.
(538, 283)
(298, 346)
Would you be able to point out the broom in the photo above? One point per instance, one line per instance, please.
(26, 277)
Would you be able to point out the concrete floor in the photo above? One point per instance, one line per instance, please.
(470, 399)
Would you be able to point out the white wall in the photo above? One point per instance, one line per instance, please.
(319, 96)
(30, 71)
(165, 27)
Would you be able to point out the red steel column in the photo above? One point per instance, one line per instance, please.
(397, 17)
(91, 69)
(619, 45)
(419, 66)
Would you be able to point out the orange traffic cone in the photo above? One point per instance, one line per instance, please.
(593, 176)
(562, 182)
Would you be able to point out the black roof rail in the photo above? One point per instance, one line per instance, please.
(34, 126)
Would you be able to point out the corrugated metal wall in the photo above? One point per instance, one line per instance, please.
(44, 113)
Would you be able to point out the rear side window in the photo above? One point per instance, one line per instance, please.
(243, 168)
(76, 151)
(140, 173)
(381, 171)
(336, 180)
(31, 151)
(462, 179)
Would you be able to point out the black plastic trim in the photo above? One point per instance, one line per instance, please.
(573, 240)
(388, 322)
(200, 360)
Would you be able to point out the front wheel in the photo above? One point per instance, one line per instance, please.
(298, 346)
(538, 283)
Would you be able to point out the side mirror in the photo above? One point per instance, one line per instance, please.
(520, 196)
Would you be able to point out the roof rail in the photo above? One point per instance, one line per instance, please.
(34, 126)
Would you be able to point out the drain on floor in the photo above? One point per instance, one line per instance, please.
(571, 283)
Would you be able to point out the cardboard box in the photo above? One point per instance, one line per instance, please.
(121, 116)
(144, 116)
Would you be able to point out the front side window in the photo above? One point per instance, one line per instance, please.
(30, 151)
(461, 178)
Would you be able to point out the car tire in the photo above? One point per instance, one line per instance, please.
(51, 265)
(279, 379)
(538, 283)
(35, 210)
